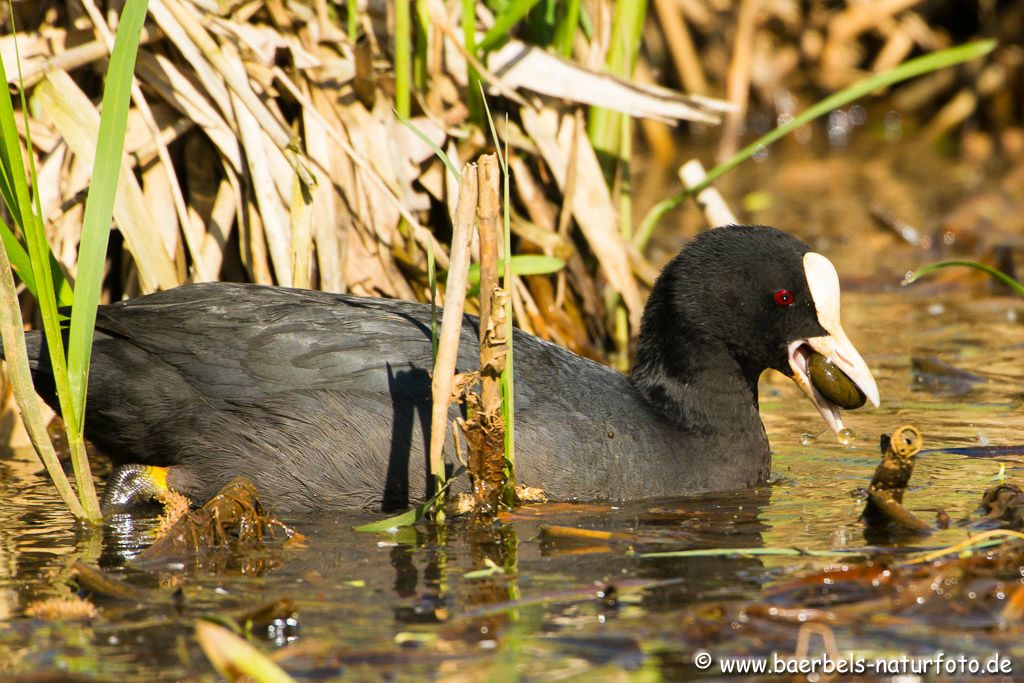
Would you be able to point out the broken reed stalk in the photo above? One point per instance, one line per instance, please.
(451, 321)
(716, 211)
(507, 374)
(487, 207)
(885, 495)
(485, 430)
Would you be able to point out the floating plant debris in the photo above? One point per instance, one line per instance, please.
(62, 609)
(936, 374)
(1004, 503)
(234, 519)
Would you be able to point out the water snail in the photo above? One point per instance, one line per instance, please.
(833, 383)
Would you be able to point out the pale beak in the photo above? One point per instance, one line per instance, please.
(835, 346)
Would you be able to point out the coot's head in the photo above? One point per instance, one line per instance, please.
(754, 297)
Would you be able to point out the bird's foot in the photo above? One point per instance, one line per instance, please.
(132, 485)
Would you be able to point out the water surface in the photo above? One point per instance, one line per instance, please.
(399, 607)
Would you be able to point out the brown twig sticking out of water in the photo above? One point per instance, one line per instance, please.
(485, 430)
(885, 495)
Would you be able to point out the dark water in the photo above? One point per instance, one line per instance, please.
(375, 607)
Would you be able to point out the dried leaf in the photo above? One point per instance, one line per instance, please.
(522, 66)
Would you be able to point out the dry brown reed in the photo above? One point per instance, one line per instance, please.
(263, 145)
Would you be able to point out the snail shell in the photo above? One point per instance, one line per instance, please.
(833, 384)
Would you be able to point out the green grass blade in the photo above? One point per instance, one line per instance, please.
(352, 20)
(915, 67)
(13, 334)
(438, 152)
(508, 394)
(15, 183)
(565, 32)
(494, 133)
(469, 40)
(514, 12)
(14, 189)
(420, 56)
(1016, 286)
(522, 264)
(99, 204)
(403, 57)
(407, 518)
(411, 516)
(605, 126)
(43, 272)
(40, 257)
(18, 257)
(586, 25)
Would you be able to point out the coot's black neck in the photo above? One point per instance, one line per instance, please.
(689, 378)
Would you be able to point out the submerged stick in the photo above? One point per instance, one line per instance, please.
(451, 321)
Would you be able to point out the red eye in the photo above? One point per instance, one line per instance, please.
(783, 297)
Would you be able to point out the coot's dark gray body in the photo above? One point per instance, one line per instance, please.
(324, 400)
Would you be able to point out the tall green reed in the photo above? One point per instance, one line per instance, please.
(604, 125)
(611, 134)
(565, 31)
(403, 57)
(472, 77)
(512, 13)
(352, 20)
(71, 371)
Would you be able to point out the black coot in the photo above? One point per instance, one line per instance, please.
(323, 400)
